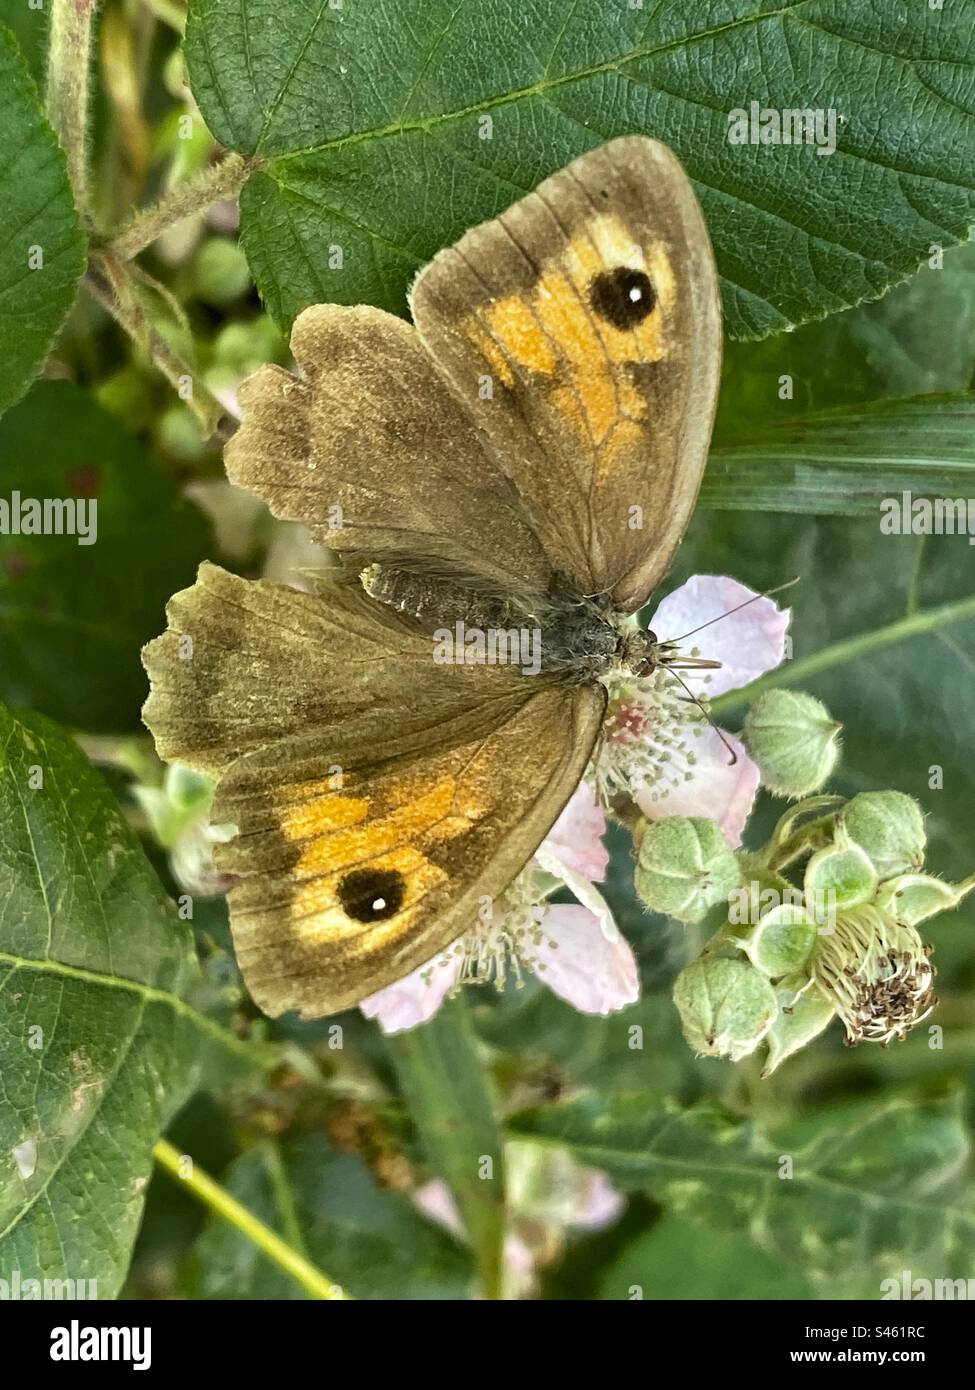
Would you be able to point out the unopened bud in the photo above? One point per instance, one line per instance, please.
(794, 741)
(889, 827)
(685, 867)
(726, 1006)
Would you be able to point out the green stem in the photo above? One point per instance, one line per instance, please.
(194, 195)
(218, 1199)
(852, 648)
(68, 69)
(111, 284)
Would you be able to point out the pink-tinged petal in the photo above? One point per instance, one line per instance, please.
(747, 643)
(436, 1201)
(598, 1204)
(716, 790)
(520, 1277)
(227, 396)
(576, 837)
(416, 998)
(579, 964)
(582, 890)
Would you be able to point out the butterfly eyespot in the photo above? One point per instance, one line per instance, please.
(372, 895)
(624, 297)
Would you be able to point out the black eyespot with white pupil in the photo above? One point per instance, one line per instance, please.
(623, 297)
(372, 895)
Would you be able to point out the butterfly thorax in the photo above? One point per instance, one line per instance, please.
(558, 632)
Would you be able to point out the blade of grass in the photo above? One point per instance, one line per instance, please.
(450, 1103)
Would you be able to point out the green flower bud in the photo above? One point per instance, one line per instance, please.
(889, 826)
(726, 1006)
(684, 867)
(912, 898)
(782, 941)
(876, 973)
(221, 273)
(179, 434)
(184, 797)
(804, 1011)
(246, 346)
(794, 741)
(838, 877)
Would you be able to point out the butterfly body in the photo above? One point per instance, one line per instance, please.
(575, 637)
(507, 476)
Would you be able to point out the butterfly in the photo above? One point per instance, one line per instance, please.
(522, 459)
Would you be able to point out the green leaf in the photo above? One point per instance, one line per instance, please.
(98, 1044)
(870, 1180)
(918, 340)
(327, 1206)
(30, 28)
(40, 225)
(679, 1259)
(387, 160)
(73, 616)
(843, 462)
(444, 1085)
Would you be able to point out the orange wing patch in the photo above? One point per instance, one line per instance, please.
(338, 835)
(556, 333)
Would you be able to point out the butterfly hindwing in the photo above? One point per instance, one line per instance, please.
(245, 664)
(349, 764)
(369, 448)
(351, 879)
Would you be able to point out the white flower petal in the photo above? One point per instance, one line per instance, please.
(576, 837)
(436, 1201)
(416, 997)
(598, 1204)
(579, 964)
(716, 790)
(747, 643)
(582, 889)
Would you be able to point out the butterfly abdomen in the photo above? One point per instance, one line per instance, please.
(557, 633)
(441, 598)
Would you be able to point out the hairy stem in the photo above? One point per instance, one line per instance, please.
(218, 1199)
(68, 70)
(112, 285)
(222, 180)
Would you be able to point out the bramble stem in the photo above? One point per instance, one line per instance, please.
(110, 283)
(218, 1199)
(193, 195)
(68, 70)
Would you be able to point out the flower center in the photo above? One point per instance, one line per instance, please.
(878, 975)
(650, 729)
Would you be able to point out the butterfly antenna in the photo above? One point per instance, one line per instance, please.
(671, 641)
(703, 708)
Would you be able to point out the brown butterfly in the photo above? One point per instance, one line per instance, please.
(523, 459)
